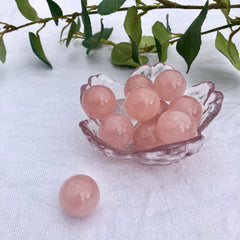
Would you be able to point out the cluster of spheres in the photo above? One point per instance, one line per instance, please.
(164, 114)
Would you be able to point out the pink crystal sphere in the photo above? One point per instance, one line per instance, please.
(169, 84)
(135, 82)
(79, 195)
(145, 135)
(116, 129)
(175, 126)
(163, 107)
(98, 101)
(142, 103)
(190, 105)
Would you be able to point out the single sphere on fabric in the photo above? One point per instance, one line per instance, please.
(135, 82)
(175, 126)
(98, 101)
(116, 130)
(145, 135)
(190, 105)
(142, 103)
(169, 84)
(79, 195)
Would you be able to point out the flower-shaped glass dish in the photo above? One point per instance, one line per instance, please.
(204, 92)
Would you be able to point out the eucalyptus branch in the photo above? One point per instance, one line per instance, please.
(11, 28)
(123, 53)
(178, 35)
(170, 4)
(221, 28)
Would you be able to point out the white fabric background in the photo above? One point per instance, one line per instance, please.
(41, 144)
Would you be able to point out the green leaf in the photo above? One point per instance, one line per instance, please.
(105, 34)
(37, 48)
(78, 24)
(159, 50)
(3, 51)
(55, 10)
(139, 2)
(226, 3)
(226, 10)
(132, 25)
(135, 56)
(167, 23)
(161, 36)
(228, 49)
(86, 21)
(147, 42)
(189, 44)
(109, 6)
(122, 55)
(72, 30)
(133, 28)
(27, 10)
(94, 41)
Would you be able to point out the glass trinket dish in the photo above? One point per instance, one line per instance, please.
(210, 100)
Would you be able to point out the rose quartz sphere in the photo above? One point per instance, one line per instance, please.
(175, 126)
(142, 103)
(190, 105)
(145, 135)
(79, 195)
(116, 130)
(163, 107)
(98, 101)
(169, 84)
(135, 82)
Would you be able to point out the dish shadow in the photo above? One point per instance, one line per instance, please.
(224, 79)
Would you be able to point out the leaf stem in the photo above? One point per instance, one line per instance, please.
(3, 23)
(61, 34)
(37, 33)
(80, 35)
(220, 28)
(90, 8)
(230, 41)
